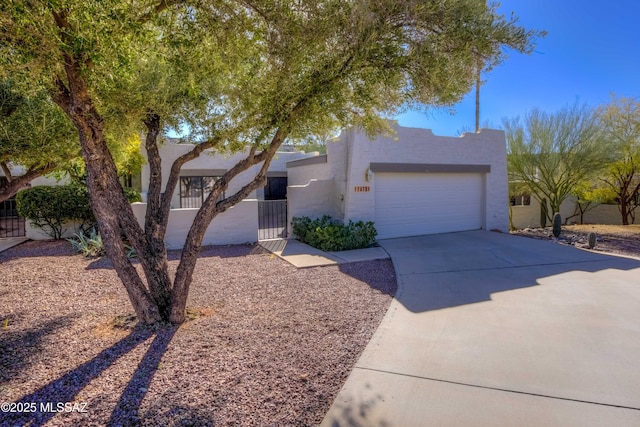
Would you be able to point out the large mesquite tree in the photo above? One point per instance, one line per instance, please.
(244, 75)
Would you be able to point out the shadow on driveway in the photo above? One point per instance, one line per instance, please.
(493, 329)
(453, 269)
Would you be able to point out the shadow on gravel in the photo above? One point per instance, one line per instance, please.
(229, 251)
(127, 408)
(385, 279)
(67, 387)
(17, 348)
(38, 249)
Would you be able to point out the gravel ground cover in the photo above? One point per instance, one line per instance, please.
(269, 345)
(615, 239)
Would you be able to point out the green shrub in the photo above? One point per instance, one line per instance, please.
(132, 194)
(51, 208)
(328, 234)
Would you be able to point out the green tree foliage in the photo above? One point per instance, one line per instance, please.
(588, 195)
(34, 134)
(550, 155)
(126, 156)
(244, 76)
(620, 121)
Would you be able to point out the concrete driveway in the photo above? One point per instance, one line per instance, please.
(489, 329)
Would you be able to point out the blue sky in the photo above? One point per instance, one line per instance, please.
(592, 49)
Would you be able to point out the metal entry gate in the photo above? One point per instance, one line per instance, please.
(272, 219)
(11, 225)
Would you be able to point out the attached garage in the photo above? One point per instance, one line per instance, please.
(413, 199)
(409, 182)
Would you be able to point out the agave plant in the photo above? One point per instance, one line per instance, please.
(89, 245)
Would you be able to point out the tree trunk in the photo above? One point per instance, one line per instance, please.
(17, 183)
(108, 201)
(154, 262)
(624, 210)
(209, 210)
(114, 215)
(544, 213)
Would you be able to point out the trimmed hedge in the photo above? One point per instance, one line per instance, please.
(328, 234)
(51, 207)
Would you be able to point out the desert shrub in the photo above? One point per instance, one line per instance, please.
(88, 244)
(50, 208)
(328, 234)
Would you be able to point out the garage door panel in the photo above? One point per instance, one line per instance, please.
(410, 204)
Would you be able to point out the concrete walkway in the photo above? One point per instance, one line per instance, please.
(9, 242)
(490, 329)
(302, 255)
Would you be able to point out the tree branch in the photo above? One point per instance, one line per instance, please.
(21, 181)
(7, 171)
(174, 176)
(152, 122)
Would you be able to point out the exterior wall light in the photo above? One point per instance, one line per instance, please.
(368, 176)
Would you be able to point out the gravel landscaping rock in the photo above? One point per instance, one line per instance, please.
(614, 239)
(269, 345)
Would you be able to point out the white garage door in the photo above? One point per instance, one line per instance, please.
(411, 204)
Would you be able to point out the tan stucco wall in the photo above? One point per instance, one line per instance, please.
(529, 215)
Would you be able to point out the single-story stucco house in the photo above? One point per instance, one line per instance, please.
(410, 182)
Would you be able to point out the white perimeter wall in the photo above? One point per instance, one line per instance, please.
(312, 191)
(238, 225)
(34, 233)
